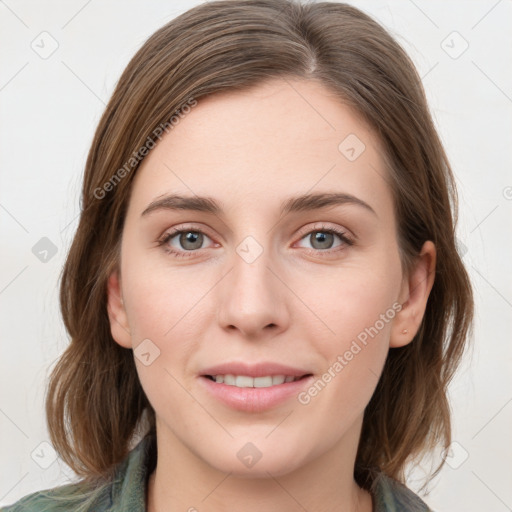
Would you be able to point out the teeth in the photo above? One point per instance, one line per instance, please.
(278, 379)
(262, 382)
(241, 381)
(230, 380)
(244, 381)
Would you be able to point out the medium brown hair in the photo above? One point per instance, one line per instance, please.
(95, 403)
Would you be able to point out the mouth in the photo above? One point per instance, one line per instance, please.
(245, 381)
(254, 387)
(254, 394)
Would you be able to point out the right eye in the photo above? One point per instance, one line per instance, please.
(183, 242)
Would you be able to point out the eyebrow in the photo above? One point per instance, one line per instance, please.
(301, 203)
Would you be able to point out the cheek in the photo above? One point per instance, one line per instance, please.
(352, 298)
(163, 309)
(161, 300)
(354, 357)
(166, 316)
(355, 308)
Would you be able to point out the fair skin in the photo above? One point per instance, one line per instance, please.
(301, 302)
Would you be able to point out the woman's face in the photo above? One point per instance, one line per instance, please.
(290, 268)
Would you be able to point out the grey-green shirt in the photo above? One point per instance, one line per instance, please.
(127, 491)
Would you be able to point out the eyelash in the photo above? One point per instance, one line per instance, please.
(186, 254)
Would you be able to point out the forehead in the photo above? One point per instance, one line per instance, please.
(258, 145)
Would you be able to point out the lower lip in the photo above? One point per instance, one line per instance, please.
(255, 399)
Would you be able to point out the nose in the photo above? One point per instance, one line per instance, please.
(252, 299)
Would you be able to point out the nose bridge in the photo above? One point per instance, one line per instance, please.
(252, 297)
(251, 274)
(252, 255)
(253, 284)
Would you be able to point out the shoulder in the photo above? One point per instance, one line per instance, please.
(392, 496)
(125, 491)
(68, 497)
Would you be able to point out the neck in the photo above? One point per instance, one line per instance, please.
(182, 481)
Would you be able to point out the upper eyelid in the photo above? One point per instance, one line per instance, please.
(186, 227)
(322, 226)
(318, 226)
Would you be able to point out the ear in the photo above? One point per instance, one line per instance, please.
(413, 297)
(116, 312)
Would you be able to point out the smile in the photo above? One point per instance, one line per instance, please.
(244, 381)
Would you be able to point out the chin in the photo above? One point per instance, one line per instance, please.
(250, 462)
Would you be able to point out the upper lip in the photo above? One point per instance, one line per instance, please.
(254, 370)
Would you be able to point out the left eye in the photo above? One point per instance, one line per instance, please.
(324, 239)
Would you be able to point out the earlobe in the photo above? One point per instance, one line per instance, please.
(415, 291)
(116, 312)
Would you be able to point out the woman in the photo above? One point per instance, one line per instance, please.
(264, 296)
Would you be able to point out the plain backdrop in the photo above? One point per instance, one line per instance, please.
(59, 64)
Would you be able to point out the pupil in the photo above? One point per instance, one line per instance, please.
(324, 239)
(192, 238)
